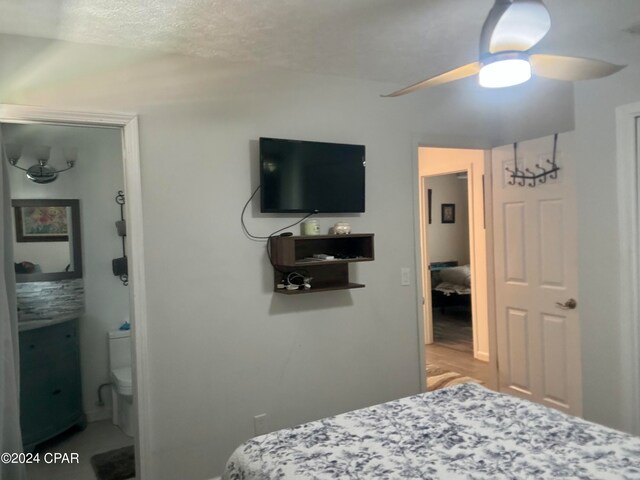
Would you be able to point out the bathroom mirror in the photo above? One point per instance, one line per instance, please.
(46, 240)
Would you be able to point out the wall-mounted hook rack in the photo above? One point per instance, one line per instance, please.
(529, 177)
(120, 265)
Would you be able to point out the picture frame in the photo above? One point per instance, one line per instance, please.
(41, 223)
(429, 194)
(72, 207)
(448, 213)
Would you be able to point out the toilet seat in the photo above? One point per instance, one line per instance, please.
(121, 378)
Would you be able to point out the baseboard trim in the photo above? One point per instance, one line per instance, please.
(482, 356)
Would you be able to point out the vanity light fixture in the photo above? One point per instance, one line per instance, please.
(41, 172)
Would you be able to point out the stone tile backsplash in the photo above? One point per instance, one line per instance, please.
(40, 300)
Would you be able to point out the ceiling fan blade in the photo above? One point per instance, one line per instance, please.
(514, 26)
(450, 76)
(560, 67)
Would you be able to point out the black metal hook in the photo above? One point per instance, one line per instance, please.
(529, 175)
(124, 278)
(514, 171)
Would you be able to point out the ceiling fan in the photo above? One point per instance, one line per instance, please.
(511, 30)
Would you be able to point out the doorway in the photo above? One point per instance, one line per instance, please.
(628, 143)
(454, 266)
(126, 130)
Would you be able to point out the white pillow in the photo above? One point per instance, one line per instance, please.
(459, 275)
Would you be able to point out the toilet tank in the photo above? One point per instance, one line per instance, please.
(119, 349)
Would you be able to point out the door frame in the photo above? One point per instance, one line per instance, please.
(424, 255)
(419, 141)
(128, 125)
(628, 167)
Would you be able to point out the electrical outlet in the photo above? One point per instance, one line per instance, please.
(405, 276)
(260, 424)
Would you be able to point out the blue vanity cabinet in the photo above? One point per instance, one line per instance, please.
(51, 392)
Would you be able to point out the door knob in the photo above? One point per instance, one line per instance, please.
(568, 305)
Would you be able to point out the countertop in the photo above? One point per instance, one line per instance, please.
(24, 325)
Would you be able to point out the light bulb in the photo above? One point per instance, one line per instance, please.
(504, 73)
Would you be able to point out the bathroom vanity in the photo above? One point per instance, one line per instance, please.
(51, 393)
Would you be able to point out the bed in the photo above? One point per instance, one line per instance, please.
(461, 432)
(450, 285)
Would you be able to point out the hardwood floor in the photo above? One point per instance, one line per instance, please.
(456, 361)
(453, 344)
(452, 328)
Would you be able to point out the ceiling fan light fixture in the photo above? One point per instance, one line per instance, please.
(509, 33)
(504, 70)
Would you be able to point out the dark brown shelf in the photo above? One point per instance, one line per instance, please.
(331, 262)
(289, 251)
(348, 286)
(288, 254)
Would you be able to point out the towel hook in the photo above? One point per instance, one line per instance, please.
(530, 176)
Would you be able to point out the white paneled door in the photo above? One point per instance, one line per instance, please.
(536, 276)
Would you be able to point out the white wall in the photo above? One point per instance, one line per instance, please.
(95, 180)
(599, 254)
(448, 241)
(223, 347)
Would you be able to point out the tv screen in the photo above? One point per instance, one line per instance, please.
(304, 177)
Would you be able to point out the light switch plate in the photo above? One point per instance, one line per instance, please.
(260, 424)
(405, 276)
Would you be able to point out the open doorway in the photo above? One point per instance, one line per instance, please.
(21, 123)
(67, 295)
(449, 264)
(454, 266)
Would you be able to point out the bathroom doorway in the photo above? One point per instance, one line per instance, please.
(94, 173)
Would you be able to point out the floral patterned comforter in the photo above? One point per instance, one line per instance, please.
(462, 432)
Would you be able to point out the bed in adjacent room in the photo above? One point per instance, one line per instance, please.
(466, 431)
(450, 285)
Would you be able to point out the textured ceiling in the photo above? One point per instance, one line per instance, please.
(398, 41)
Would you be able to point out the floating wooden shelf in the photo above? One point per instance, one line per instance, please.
(347, 286)
(294, 254)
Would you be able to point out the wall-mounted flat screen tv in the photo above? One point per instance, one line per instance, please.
(304, 177)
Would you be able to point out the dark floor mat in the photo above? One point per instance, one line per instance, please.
(116, 464)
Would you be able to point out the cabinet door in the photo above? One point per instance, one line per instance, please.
(65, 393)
(50, 396)
(35, 388)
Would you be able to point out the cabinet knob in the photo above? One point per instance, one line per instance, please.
(57, 391)
(32, 346)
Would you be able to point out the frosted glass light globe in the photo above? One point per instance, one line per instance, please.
(504, 73)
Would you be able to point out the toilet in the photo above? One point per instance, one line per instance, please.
(121, 385)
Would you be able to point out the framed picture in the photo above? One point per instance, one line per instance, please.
(448, 213)
(429, 193)
(41, 224)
